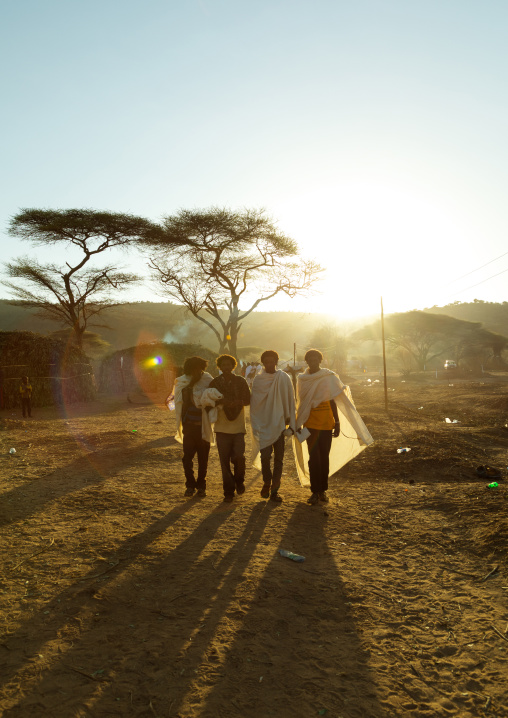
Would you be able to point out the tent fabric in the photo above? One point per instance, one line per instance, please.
(272, 402)
(197, 390)
(312, 390)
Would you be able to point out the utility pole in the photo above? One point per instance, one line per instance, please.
(384, 353)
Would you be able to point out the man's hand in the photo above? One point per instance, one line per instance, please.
(336, 429)
(288, 428)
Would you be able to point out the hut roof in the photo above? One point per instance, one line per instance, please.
(37, 351)
(172, 352)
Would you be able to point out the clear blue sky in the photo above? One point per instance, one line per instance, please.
(373, 130)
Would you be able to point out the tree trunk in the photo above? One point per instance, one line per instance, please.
(233, 330)
(78, 333)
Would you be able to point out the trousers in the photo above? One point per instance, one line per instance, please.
(231, 448)
(193, 444)
(269, 476)
(26, 406)
(319, 444)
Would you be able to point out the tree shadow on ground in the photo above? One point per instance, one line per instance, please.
(34, 496)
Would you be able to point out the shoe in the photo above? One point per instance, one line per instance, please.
(313, 499)
(201, 492)
(229, 498)
(240, 489)
(324, 497)
(189, 492)
(265, 491)
(274, 496)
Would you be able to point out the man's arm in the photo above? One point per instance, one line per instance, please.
(245, 392)
(333, 407)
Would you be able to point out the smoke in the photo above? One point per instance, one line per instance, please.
(182, 334)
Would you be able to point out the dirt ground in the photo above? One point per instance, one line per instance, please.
(120, 597)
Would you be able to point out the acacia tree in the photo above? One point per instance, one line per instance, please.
(74, 292)
(329, 339)
(480, 346)
(222, 264)
(424, 336)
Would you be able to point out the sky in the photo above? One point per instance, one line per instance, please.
(373, 131)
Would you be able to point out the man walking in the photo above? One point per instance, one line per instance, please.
(189, 421)
(272, 409)
(324, 407)
(230, 425)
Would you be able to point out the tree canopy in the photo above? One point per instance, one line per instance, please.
(426, 336)
(73, 293)
(221, 264)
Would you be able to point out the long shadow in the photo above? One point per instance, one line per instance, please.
(145, 605)
(34, 496)
(297, 651)
(74, 597)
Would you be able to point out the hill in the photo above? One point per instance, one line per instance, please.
(492, 315)
(129, 324)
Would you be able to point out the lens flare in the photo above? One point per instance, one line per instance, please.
(152, 361)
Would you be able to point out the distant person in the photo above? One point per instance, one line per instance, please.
(230, 425)
(25, 391)
(250, 373)
(272, 410)
(319, 391)
(189, 421)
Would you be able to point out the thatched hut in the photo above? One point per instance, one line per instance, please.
(59, 373)
(148, 367)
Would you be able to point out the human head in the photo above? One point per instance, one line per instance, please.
(313, 358)
(226, 363)
(269, 359)
(24, 379)
(194, 366)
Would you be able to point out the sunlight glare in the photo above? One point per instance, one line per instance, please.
(374, 240)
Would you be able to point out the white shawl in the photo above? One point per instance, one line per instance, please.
(312, 390)
(272, 402)
(197, 391)
(208, 398)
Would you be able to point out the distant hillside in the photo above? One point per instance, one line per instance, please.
(493, 316)
(148, 321)
(162, 321)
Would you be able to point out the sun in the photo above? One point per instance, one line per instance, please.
(374, 239)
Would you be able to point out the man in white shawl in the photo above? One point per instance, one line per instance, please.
(325, 411)
(272, 409)
(191, 430)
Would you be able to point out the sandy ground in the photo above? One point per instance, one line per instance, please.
(120, 597)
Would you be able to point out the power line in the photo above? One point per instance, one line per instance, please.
(483, 280)
(476, 270)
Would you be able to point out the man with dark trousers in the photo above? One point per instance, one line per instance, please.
(230, 425)
(189, 420)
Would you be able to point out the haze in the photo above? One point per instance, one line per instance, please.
(374, 132)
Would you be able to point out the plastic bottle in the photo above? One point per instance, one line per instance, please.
(493, 485)
(170, 403)
(12, 451)
(291, 555)
(403, 450)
